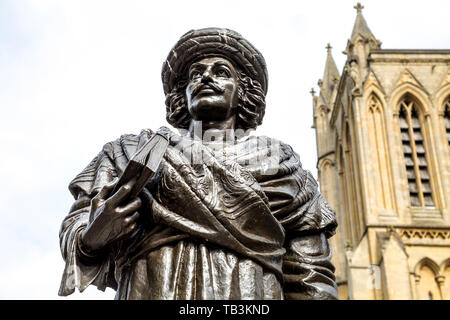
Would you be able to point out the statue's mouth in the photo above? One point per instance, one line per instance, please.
(206, 89)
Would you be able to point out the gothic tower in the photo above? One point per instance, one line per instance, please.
(383, 145)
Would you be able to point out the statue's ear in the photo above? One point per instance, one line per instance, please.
(241, 90)
(182, 83)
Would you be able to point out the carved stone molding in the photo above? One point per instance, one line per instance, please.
(424, 236)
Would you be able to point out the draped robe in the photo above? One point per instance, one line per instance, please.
(242, 222)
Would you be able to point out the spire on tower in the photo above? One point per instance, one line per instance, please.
(330, 77)
(361, 30)
(361, 27)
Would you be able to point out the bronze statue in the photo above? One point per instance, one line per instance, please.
(225, 215)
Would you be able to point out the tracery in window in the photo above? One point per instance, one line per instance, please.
(414, 152)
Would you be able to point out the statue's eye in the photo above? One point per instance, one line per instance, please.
(222, 72)
(194, 74)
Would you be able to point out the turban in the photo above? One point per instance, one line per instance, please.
(198, 44)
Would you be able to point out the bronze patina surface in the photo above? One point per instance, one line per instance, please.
(227, 215)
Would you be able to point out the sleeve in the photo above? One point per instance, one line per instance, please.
(295, 200)
(82, 270)
(307, 269)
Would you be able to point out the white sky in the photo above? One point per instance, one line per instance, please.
(76, 74)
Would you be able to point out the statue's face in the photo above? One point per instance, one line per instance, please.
(211, 93)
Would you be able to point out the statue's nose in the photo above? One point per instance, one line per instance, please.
(206, 76)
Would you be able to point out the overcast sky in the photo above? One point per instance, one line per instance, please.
(77, 74)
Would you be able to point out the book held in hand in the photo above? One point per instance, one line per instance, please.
(143, 165)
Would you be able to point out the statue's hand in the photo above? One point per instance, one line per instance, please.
(110, 220)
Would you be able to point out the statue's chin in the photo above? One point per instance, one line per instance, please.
(210, 112)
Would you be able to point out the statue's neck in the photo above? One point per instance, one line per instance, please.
(213, 132)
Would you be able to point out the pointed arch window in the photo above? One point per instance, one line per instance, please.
(447, 118)
(343, 204)
(379, 151)
(350, 182)
(427, 280)
(414, 151)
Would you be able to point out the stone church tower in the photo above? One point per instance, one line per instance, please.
(383, 144)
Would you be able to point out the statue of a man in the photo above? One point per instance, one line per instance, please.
(227, 216)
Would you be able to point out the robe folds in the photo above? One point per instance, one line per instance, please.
(240, 222)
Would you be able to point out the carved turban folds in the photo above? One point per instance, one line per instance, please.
(198, 44)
